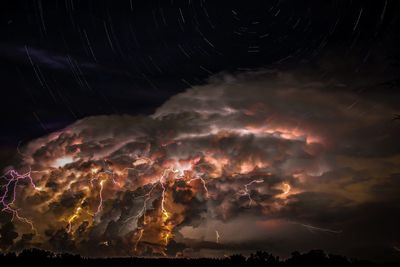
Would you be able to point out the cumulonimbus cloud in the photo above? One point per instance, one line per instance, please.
(266, 149)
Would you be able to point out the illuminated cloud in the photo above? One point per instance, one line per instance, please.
(262, 158)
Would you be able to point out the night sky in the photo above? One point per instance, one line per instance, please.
(200, 128)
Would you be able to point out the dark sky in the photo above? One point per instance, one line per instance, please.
(62, 61)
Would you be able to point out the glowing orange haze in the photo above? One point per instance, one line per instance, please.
(98, 183)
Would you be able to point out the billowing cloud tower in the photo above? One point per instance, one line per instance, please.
(245, 162)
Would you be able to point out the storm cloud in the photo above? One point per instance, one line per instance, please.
(266, 160)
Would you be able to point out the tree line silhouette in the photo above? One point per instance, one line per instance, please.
(259, 258)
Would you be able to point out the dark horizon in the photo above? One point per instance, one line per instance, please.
(257, 258)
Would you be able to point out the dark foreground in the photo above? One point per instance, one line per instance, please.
(37, 257)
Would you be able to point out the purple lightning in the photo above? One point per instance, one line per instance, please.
(10, 191)
(246, 192)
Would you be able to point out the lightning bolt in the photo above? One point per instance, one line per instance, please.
(139, 238)
(202, 181)
(246, 192)
(162, 182)
(10, 190)
(165, 214)
(313, 229)
(217, 236)
(109, 173)
(100, 206)
(142, 212)
(164, 211)
(74, 216)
